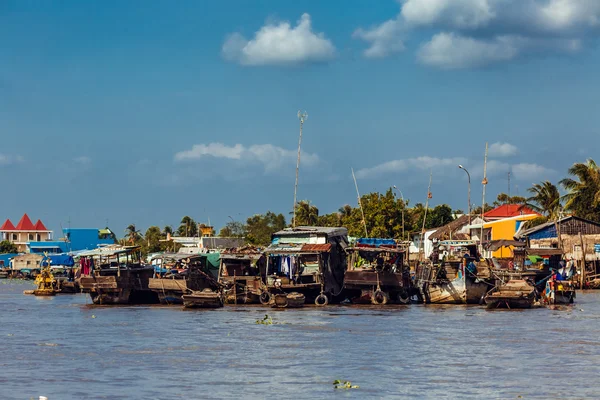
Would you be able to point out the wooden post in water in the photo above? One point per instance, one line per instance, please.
(234, 289)
(582, 278)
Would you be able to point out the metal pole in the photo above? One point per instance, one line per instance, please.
(302, 117)
(484, 182)
(422, 244)
(403, 205)
(468, 192)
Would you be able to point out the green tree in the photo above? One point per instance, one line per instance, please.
(306, 214)
(583, 197)
(132, 235)
(440, 215)
(7, 247)
(187, 227)
(504, 198)
(545, 199)
(233, 229)
(153, 238)
(260, 227)
(167, 230)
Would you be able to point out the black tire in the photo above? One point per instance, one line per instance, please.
(403, 297)
(322, 300)
(379, 298)
(265, 298)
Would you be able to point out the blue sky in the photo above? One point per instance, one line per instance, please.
(142, 112)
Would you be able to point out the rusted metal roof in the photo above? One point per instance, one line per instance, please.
(317, 247)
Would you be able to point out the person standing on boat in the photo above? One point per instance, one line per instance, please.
(562, 270)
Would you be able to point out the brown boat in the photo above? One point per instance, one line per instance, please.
(516, 293)
(205, 298)
(288, 300)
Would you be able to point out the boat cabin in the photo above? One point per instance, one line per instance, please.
(242, 273)
(307, 259)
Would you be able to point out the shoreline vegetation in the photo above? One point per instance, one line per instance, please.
(384, 213)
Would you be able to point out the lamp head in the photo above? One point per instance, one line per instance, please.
(460, 166)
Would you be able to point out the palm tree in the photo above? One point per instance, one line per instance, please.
(188, 227)
(132, 234)
(545, 199)
(306, 214)
(583, 197)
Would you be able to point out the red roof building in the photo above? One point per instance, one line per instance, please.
(508, 211)
(25, 224)
(7, 226)
(24, 232)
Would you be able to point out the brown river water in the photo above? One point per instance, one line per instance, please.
(63, 348)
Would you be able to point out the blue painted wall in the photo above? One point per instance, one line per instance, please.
(76, 239)
(548, 232)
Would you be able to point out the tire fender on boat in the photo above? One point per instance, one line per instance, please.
(403, 297)
(322, 300)
(265, 298)
(379, 297)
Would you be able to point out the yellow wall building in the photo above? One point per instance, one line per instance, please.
(505, 229)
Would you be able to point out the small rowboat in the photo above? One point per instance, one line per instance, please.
(203, 299)
(288, 300)
(516, 293)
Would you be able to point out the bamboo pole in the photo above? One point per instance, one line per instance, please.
(582, 278)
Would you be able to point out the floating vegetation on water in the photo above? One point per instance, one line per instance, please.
(93, 316)
(338, 384)
(267, 320)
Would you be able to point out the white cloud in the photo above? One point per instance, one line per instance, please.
(384, 39)
(449, 50)
(531, 171)
(500, 149)
(476, 33)
(417, 163)
(280, 44)
(271, 157)
(6, 159)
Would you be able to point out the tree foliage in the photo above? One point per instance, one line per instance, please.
(504, 198)
(545, 199)
(188, 227)
(233, 229)
(306, 214)
(7, 247)
(583, 190)
(260, 227)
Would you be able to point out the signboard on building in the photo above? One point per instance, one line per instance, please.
(597, 248)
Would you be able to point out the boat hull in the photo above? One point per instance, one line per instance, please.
(362, 287)
(44, 292)
(288, 300)
(131, 287)
(169, 291)
(456, 291)
(204, 299)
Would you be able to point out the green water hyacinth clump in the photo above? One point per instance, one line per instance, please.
(267, 320)
(339, 384)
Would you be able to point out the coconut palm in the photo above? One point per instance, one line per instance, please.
(188, 227)
(306, 213)
(132, 234)
(583, 197)
(545, 199)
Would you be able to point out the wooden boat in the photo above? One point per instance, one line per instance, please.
(377, 273)
(559, 292)
(115, 275)
(45, 283)
(450, 282)
(240, 273)
(205, 298)
(306, 259)
(516, 293)
(288, 300)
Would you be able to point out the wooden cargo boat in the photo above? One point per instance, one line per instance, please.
(377, 273)
(458, 279)
(241, 274)
(288, 300)
(205, 298)
(516, 293)
(115, 275)
(309, 260)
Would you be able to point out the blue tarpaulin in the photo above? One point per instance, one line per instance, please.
(376, 242)
(58, 259)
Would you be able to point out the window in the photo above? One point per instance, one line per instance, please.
(30, 236)
(14, 236)
(39, 237)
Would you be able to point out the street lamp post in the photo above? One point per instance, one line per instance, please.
(403, 205)
(469, 191)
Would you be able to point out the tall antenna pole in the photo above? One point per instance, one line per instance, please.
(508, 200)
(359, 204)
(422, 244)
(484, 182)
(302, 116)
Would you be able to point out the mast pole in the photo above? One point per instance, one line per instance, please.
(360, 204)
(484, 182)
(302, 117)
(422, 244)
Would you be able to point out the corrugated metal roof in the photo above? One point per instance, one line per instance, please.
(317, 247)
(307, 230)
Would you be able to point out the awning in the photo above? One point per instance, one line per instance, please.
(494, 245)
